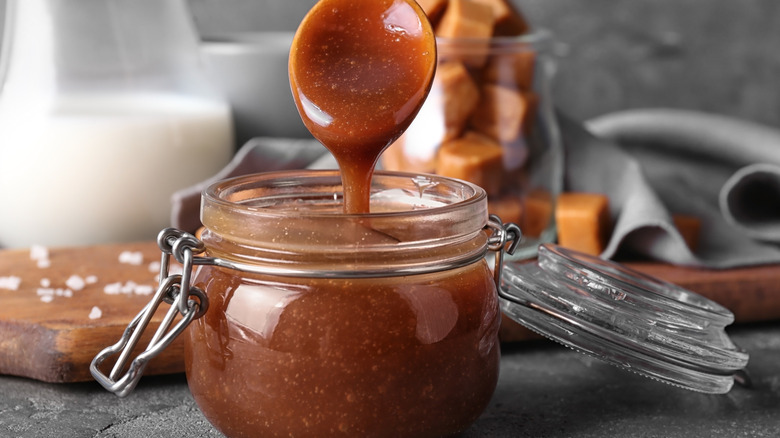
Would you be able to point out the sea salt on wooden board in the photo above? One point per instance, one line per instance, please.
(60, 307)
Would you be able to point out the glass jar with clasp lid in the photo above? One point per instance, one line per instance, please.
(321, 322)
(304, 320)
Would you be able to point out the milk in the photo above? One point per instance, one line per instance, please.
(101, 168)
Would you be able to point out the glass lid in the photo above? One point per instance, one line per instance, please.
(624, 317)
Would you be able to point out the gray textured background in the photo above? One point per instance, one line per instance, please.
(719, 56)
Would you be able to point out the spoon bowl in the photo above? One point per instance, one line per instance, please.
(359, 73)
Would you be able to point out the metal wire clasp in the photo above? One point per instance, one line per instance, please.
(191, 305)
(502, 235)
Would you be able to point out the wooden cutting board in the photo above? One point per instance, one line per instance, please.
(70, 305)
(57, 312)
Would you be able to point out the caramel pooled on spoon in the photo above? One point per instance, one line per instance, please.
(359, 73)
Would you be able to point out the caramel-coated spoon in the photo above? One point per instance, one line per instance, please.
(359, 72)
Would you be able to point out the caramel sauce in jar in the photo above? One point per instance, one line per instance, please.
(380, 324)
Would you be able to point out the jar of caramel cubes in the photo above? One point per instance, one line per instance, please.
(322, 323)
(489, 117)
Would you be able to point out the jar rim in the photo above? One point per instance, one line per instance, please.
(293, 223)
(217, 193)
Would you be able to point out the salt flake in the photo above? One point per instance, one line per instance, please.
(95, 313)
(135, 258)
(39, 252)
(143, 289)
(128, 288)
(113, 288)
(11, 282)
(75, 282)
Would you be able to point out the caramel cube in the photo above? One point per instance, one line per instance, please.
(433, 9)
(477, 137)
(478, 162)
(515, 154)
(502, 113)
(689, 228)
(583, 221)
(512, 70)
(398, 157)
(537, 212)
(460, 96)
(509, 21)
(468, 19)
(507, 207)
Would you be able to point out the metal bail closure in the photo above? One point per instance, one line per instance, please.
(191, 305)
(502, 234)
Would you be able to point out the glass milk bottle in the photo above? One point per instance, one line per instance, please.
(104, 113)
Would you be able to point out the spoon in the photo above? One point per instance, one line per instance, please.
(359, 73)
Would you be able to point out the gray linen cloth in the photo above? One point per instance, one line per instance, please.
(655, 162)
(650, 163)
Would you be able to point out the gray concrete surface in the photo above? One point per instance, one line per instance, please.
(544, 391)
